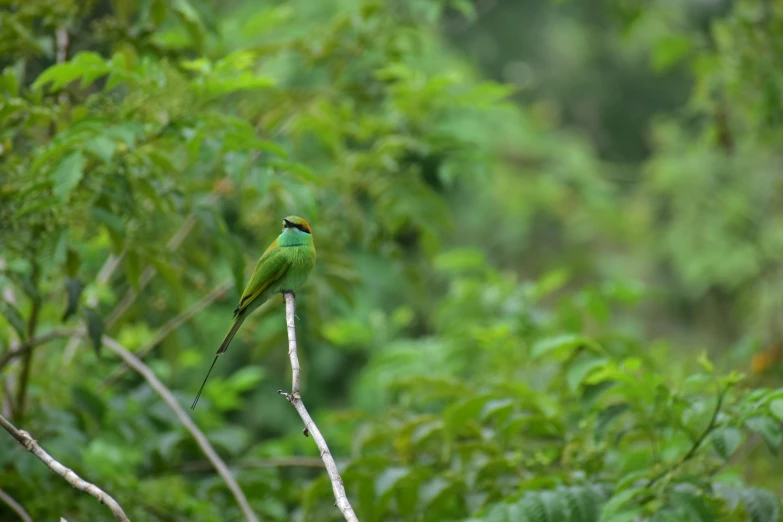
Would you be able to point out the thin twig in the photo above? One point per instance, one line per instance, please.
(15, 506)
(341, 499)
(185, 420)
(32, 343)
(69, 475)
(27, 360)
(698, 442)
(169, 327)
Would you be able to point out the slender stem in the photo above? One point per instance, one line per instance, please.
(15, 506)
(169, 327)
(185, 420)
(698, 442)
(32, 343)
(341, 499)
(27, 361)
(70, 477)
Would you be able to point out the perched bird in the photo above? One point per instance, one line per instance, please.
(283, 267)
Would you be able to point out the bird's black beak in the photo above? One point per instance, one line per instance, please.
(287, 223)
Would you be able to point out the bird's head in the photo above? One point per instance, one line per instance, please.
(295, 223)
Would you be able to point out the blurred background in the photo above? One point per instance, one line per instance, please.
(547, 231)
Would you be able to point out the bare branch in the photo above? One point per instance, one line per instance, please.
(27, 359)
(341, 499)
(32, 343)
(169, 327)
(171, 401)
(15, 506)
(186, 421)
(69, 475)
(290, 318)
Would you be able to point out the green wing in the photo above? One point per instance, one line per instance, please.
(270, 268)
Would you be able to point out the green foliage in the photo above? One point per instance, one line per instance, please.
(506, 317)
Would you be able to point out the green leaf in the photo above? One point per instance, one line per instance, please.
(95, 329)
(761, 505)
(768, 428)
(705, 363)
(579, 370)
(458, 415)
(87, 66)
(693, 506)
(607, 416)
(102, 146)
(133, 268)
(617, 508)
(67, 174)
(776, 407)
(72, 262)
(190, 18)
(559, 347)
(14, 318)
(387, 481)
(584, 503)
(726, 441)
(544, 506)
(73, 291)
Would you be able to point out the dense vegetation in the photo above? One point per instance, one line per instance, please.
(549, 234)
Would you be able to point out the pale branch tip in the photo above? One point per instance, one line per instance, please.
(341, 499)
(30, 444)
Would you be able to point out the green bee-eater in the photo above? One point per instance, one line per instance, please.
(283, 267)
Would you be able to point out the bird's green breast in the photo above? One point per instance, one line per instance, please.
(301, 261)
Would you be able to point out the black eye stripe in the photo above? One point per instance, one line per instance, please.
(296, 226)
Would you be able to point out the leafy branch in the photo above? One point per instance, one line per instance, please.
(697, 443)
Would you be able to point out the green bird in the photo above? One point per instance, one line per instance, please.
(283, 267)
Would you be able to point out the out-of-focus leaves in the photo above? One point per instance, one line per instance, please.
(95, 329)
(67, 174)
(768, 428)
(14, 318)
(726, 441)
(73, 292)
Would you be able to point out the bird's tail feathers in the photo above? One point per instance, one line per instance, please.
(231, 333)
(223, 347)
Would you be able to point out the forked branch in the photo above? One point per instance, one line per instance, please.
(68, 474)
(341, 499)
